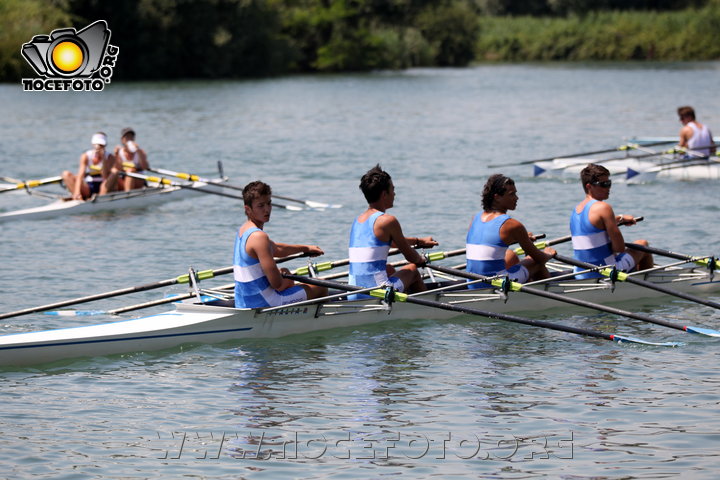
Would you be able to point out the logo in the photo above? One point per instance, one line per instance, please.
(70, 60)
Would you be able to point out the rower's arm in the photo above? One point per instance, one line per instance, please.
(513, 232)
(605, 215)
(285, 250)
(260, 246)
(388, 227)
(80, 179)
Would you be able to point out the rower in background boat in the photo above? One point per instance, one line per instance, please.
(695, 135)
(374, 232)
(97, 172)
(258, 280)
(596, 237)
(491, 233)
(131, 158)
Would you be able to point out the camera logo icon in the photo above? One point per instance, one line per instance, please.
(66, 54)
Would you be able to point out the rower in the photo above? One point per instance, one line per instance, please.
(258, 280)
(374, 232)
(132, 158)
(492, 231)
(596, 237)
(97, 171)
(694, 135)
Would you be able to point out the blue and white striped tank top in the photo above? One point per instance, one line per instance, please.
(484, 249)
(591, 244)
(368, 254)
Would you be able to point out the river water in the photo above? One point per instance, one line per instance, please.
(465, 398)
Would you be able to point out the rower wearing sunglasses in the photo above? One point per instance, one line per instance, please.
(596, 237)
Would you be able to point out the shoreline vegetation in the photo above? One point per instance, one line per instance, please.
(168, 39)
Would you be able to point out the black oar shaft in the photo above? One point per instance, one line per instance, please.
(468, 310)
(135, 289)
(90, 298)
(567, 299)
(581, 154)
(659, 251)
(644, 283)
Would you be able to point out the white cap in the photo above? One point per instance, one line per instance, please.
(99, 139)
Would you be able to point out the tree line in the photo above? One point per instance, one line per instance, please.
(162, 39)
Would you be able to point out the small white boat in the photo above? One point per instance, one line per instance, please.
(632, 169)
(220, 322)
(141, 197)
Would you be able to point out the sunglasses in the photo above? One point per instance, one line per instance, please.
(605, 184)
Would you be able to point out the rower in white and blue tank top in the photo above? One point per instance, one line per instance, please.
(368, 257)
(701, 139)
(252, 288)
(593, 245)
(93, 176)
(485, 251)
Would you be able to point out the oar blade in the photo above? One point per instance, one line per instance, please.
(321, 206)
(621, 339)
(703, 331)
(75, 313)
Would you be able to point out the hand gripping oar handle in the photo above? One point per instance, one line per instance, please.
(401, 297)
(608, 271)
(519, 287)
(201, 275)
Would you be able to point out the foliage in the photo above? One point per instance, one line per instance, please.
(20, 20)
(611, 35)
(240, 38)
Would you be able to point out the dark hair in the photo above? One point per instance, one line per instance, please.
(255, 190)
(374, 182)
(686, 112)
(495, 185)
(591, 173)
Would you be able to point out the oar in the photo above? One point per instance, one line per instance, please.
(31, 184)
(621, 148)
(519, 287)
(624, 277)
(709, 261)
(324, 266)
(201, 275)
(165, 181)
(401, 297)
(196, 178)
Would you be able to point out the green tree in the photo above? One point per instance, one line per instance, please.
(20, 21)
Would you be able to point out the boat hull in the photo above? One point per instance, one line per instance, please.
(207, 324)
(139, 198)
(634, 170)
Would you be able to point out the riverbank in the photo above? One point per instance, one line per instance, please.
(615, 36)
(226, 39)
